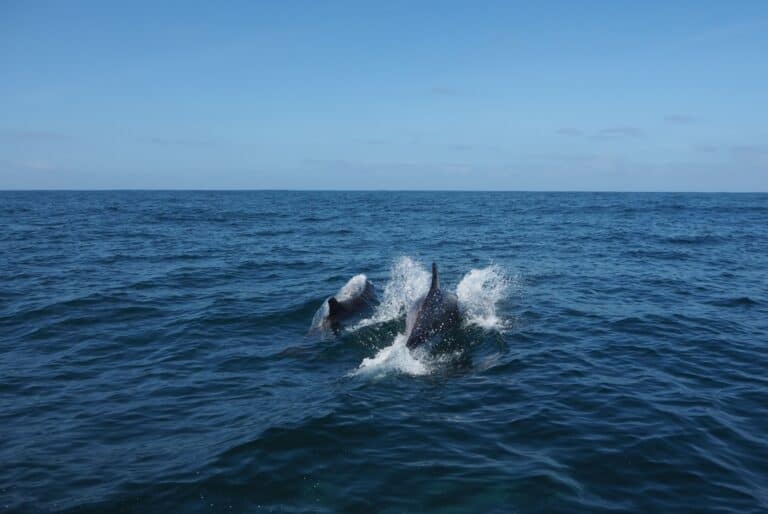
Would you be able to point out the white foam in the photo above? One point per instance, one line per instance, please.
(409, 281)
(479, 292)
(395, 358)
(355, 287)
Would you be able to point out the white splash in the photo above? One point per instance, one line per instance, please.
(395, 358)
(354, 287)
(479, 292)
(409, 281)
(319, 317)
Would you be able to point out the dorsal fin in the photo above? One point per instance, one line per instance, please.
(435, 278)
(334, 307)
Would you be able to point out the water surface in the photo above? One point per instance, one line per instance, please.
(154, 354)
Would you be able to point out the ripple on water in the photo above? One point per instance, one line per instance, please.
(155, 354)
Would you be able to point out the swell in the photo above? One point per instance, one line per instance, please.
(154, 355)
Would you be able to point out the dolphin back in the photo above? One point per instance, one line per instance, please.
(357, 295)
(437, 311)
(334, 307)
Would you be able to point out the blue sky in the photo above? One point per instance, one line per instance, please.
(652, 96)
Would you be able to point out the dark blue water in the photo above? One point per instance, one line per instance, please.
(154, 354)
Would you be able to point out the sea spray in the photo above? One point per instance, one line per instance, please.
(395, 358)
(479, 292)
(409, 281)
(354, 287)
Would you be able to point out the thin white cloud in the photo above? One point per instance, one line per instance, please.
(679, 119)
(31, 165)
(569, 131)
(619, 132)
(33, 136)
(163, 141)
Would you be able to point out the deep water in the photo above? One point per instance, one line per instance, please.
(154, 354)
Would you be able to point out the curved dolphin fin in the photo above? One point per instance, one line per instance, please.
(334, 307)
(435, 278)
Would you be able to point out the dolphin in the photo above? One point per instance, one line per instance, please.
(435, 313)
(356, 296)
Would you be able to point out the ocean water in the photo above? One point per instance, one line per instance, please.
(155, 354)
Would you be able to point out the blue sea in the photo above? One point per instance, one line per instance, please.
(156, 353)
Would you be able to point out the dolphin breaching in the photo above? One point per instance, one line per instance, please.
(434, 314)
(416, 324)
(356, 297)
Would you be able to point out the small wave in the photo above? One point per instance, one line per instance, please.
(740, 301)
(669, 255)
(295, 311)
(273, 232)
(694, 239)
(314, 219)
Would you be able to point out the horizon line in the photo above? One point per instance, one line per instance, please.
(289, 190)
